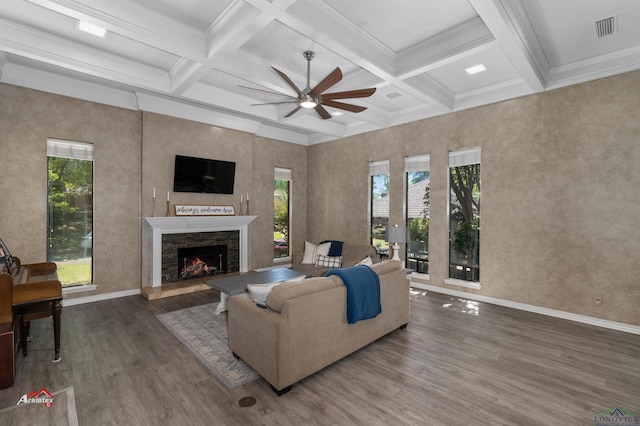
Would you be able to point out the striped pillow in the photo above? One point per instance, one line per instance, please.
(328, 261)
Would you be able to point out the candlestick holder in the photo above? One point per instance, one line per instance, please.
(168, 213)
(153, 207)
(248, 208)
(240, 213)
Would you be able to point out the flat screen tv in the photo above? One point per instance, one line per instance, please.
(202, 175)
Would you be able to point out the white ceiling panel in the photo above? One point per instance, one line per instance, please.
(190, 58)
(455, 77)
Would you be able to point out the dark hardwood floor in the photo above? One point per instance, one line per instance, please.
(457, 363)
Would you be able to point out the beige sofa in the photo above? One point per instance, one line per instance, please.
(351, 254)
(305, 327)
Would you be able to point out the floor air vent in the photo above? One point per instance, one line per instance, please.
(606, 27)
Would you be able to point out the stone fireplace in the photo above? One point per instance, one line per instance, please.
(199, 254)
(170, 243)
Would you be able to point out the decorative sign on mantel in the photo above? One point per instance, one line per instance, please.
(188, 210)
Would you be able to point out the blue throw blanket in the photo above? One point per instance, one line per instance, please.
(363, 292)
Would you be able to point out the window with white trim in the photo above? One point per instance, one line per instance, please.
(70, 210)
(379, 207)
(417, 213)
(464, 214)
(281, 212)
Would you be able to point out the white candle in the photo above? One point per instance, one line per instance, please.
(240, 198)
(247, 196)
(154, 193)
(167, 195)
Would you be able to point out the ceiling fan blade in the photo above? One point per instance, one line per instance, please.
(293, 112)
(288, 80)
(322, 112)
(268, 91)
(333, 77)
(350, 94)
(277, 103)
(342, 105)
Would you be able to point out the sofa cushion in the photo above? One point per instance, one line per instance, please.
(329, 261)
(289, 290)
(311, 252)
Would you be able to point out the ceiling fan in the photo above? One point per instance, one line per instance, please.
(315, 98)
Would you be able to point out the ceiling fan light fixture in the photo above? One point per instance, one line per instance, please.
(307, 101)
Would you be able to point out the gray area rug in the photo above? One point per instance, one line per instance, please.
(205, 334)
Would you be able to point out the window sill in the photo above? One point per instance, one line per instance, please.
(463, 283)
(419, 276)
(78, 289)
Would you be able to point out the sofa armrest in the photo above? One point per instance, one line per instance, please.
(255, 335)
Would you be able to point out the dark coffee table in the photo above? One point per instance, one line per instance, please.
(237, 284)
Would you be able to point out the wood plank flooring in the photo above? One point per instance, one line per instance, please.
(458, 363)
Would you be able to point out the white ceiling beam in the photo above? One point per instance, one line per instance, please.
(3, 61)
(40, 46)
(134, 22)
(457, 43)
(512, 30)
(237, 24)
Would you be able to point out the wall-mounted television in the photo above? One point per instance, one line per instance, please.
(202, 175)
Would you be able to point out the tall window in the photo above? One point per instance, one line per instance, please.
(417, 213)
(379, 196)
(281, 212)
(70, 210)
(464, 214)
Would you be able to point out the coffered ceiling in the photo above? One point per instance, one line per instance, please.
(189, 58)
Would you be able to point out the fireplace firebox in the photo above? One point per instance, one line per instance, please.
(198, 262)
(202, 248)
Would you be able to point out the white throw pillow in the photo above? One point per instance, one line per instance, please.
(295, 279)
(366, 261)
(311, 252)
(259, 292)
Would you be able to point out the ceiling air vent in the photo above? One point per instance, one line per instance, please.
(606, 27)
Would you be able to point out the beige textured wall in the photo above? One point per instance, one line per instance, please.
(267, 155)
(27, 119)
(164, 137)
(560, 198)
(134, 152)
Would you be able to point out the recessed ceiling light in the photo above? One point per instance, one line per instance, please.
(393, 95)
(92, 29)
(475, 69)
(337, 113)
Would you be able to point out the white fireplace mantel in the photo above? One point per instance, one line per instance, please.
(154, 227)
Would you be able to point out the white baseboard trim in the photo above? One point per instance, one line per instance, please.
(599, 322)
(99, 297)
